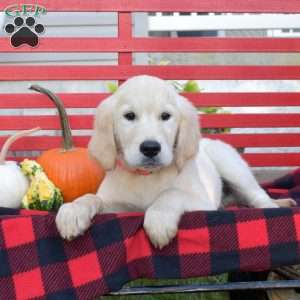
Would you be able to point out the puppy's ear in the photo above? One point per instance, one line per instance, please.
(187, 144)
(102, 145)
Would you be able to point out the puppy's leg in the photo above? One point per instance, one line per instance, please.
(286, 202)
(74, 218)
(163, 216)
(233, 169)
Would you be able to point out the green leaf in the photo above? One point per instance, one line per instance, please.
(191, 86)
(112, 87)
(209, 110)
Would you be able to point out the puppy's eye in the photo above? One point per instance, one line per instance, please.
(130, 116)
(165, 116)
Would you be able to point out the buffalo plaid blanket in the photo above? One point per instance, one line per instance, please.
(36, 263)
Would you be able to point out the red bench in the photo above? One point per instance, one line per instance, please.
(126, 45)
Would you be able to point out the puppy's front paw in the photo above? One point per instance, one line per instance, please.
(161, 227)
(73, 220)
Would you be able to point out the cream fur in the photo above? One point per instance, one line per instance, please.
(185, 176)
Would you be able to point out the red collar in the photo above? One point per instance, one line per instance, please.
(123, 166)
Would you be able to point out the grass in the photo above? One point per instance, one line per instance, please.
(198, 296)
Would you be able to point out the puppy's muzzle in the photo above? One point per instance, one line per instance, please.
(150, 148)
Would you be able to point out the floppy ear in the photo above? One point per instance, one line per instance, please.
(187, 144)
(102, 145)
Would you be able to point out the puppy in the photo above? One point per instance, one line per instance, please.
(147, 137)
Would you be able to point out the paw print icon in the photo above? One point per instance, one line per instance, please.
(24, 31)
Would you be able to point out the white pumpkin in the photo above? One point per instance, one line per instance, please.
(13, 183)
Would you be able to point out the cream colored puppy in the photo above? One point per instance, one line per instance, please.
(147, 138)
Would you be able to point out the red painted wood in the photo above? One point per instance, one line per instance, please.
(237, 140)
(207, 121)
(254, 159)
(78, 100)
(279, 6)
(273, 159)
(126, 44)
(12, 72)
(43, 142)
(250, 120)
(45, 122)
(125, 59)
(124, 32)
(124, 26)
(91, 100)
(259, 139)
(244, 99)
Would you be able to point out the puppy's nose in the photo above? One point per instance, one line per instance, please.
(150, 148)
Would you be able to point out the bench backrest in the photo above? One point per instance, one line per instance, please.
(125, 44)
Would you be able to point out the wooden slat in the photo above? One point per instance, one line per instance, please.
(254, 159)
(12, 72)
(259, 139)
(273, 159)
(124, 32)
(125, 44)
(91, 100)
(43, 142)
(125, 26)
(244, 99)
(70, 100)
(207, 121)
(279, 6)
(250, 120)
(45, 122)
(237, 140)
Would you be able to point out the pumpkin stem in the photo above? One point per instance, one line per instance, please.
(12, 139)
(64, 121)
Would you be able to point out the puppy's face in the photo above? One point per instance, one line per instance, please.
(146, 124)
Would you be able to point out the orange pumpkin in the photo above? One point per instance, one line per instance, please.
(70, 168)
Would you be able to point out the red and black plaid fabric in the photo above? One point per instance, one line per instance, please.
(286, 186)
(36, 263)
